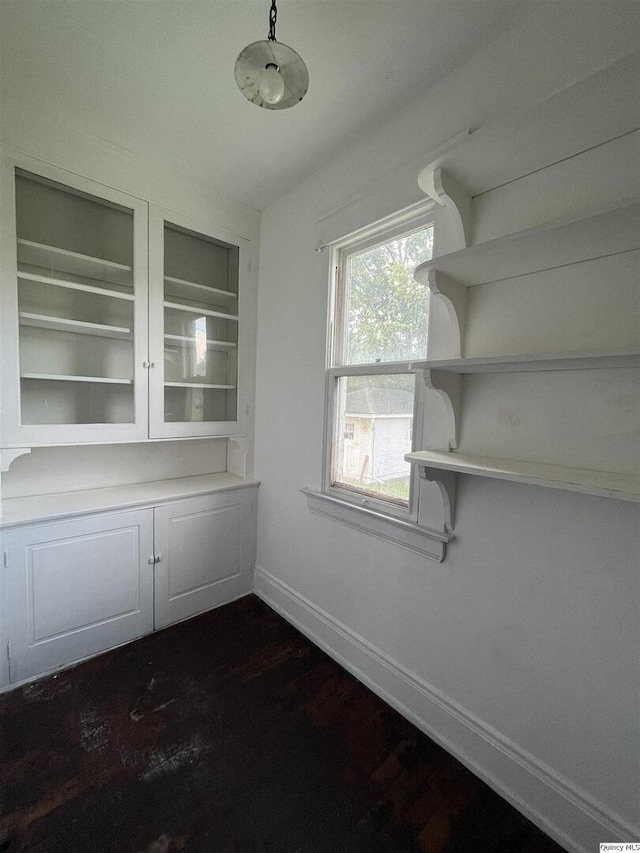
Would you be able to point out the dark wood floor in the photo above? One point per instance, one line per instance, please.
(231, 733)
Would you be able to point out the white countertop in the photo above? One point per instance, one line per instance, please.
(38, 508)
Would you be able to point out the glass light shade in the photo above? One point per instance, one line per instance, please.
(271, 85)
(252, 64)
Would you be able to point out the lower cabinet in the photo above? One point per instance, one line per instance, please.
(81, 586)
(203, 549)
(75, 588)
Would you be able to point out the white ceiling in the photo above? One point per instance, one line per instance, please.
(156, 76)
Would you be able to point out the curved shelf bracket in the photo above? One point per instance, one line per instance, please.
(9, 454)
(443, 188)
(442, 409)
(237, 452)
(444, 493)
(447, 314)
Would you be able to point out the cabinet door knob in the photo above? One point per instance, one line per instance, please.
(148, 364)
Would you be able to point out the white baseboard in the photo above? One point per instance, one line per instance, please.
(566, 813)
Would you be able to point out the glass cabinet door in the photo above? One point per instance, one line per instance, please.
(197, 323)
(76, 313)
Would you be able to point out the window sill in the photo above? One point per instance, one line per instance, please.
(427, 543)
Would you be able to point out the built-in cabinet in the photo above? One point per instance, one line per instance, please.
(121, 322)
(113, 330)
(78, 584)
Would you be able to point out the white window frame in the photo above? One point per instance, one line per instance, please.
(333, 438)
(418, 218)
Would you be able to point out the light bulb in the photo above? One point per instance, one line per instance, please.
(271, 84)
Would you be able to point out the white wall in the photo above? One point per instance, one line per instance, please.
(519, 652)
(61, 469)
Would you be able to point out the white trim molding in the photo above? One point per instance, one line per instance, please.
(428, 543)
(565, 812)
(384, 196)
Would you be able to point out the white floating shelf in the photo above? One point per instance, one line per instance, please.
(507, 150)
(64, 260)
(529, 363)
(62, 324)
(558, 243)
(624, 487)
(74, 285)
(190, 289)
(64, 377)
(199, 385)
(186, 341)
(176, 306)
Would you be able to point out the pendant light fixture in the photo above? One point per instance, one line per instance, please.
(271, 74)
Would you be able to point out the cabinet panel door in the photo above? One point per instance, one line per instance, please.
(205, 549)
(196, 333)
(77, 588)
(74, 308)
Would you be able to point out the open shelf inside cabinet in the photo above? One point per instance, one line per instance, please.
(190, 341)
(206, 312)
(199, 402)
(67, 377)
(624, 487)
(191, 290)
(199, 385)
(61, 260)
(62, 324)
(71, 282)
(63, 400)
(74, 333)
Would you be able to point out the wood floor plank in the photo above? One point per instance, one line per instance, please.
(232, 733)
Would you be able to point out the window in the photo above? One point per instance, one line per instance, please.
(378, 326)
(349, 431)
(372, 463)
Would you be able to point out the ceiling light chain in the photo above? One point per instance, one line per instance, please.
(273, 17)
(271, 74)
